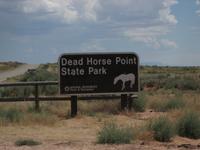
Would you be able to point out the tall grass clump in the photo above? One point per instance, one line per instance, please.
(162, 129)
(42, 116)
(167, 105)
(189, 125)
(157, 105)
(10, 116)
(139, 104)
(27, 142)
(185, 83)
(174, 103)
(111, 133)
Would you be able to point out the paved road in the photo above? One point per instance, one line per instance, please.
(18, 71)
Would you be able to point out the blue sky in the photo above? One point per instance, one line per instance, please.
(163, 32)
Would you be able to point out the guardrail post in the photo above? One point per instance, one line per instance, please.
(73, 100)
(123, 101)
(37, 104)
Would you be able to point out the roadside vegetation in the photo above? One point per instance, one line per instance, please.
(111, 133)
(181, 78)
(26, 142)
(189, 125)
(47, 72)
(169, 93)
(4, 66)
(152, 78)
(139, 104)
(25, 114)
(162, 129)
(167, 104)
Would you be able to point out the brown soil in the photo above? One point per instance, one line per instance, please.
(80, 134)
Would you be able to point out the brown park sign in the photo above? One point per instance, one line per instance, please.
(113, 73)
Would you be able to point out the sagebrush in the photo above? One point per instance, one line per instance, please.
(189, 125)
(111, 133)
(162, 129)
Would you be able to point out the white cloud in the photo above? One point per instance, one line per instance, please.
(151, 36)
(113, 10)
(30, 50)
(165, 12)
(68, 11)
(198, 11)
(168, 43)
(62, 9)
(148, 35)
(140, 20)
(89, 9)
(92, 46)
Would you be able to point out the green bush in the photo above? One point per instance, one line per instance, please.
(11, 115)
(189, 125)
(16, 91)
(182, 84)
(139, 104)
(162, 129)
(179, 78)
(27, 142)
(158, 106)
(175, 103)
(163, 106)
(40, 74)
(111, 133)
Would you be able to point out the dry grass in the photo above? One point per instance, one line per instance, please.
(51, 112)
(93, 107)
(4, 66)
(52, 124)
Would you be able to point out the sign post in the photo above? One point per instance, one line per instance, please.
(92, 74)
(124, 101)
(73, 106)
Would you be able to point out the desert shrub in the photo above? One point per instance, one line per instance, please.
(28, 91)
(189, 84)
(10, 115)
(189, 125)
(166, 105)
(162, 129)
(42, 116)
(32, 109)
(182, 84)
(39, 75)
(175, 103)
(17, 91)
(27, 142)
(179, 78)
(9, 65)
(151, 83)
(48, 90)
(158, 105)
(111, 133)
(139, 104)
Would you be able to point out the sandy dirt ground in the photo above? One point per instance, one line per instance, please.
(80, 134)
(17, 71)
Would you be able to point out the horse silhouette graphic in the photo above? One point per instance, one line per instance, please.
(125, 78)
